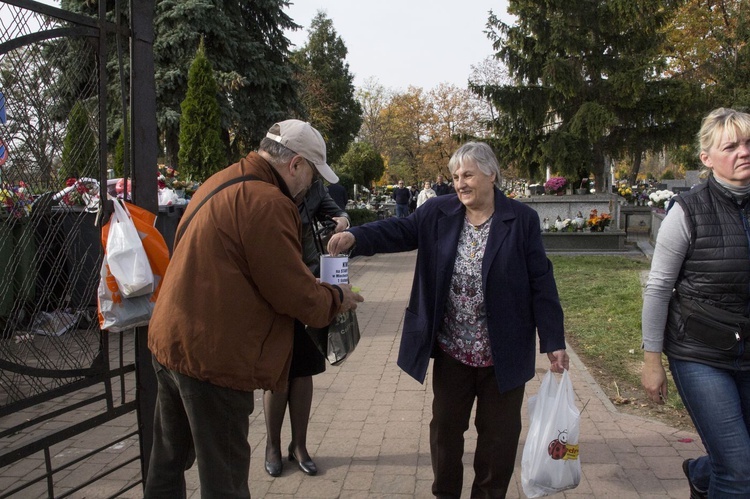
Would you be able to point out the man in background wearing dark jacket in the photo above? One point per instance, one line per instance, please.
(338, 193)
(402, 196)
(441, 187)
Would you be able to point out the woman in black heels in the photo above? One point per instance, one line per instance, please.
(307, 361)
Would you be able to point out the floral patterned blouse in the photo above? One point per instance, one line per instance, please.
(463, 334)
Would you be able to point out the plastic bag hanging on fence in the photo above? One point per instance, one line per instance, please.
(337, 340)
(116, 312)
(550, 461)
(127, 258)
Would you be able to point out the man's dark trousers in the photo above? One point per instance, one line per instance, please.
(213, 419)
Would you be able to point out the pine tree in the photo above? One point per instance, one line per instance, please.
(201, 150)
(588, 84)
(327, 91)
(79, 147)
(249, 51)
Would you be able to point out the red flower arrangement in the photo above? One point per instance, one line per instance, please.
(597, 222)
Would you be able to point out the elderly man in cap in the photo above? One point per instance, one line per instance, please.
(223, 324)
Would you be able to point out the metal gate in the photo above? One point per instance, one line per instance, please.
(68, 391)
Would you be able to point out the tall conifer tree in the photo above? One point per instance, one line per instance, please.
(327, 88)
(201, 150)
(589, 84)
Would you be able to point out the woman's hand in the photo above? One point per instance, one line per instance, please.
(341, 224)
(654, 377)
(559, 361)
(340, 243)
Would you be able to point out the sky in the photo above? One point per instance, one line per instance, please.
(406, 42)
(399, 43)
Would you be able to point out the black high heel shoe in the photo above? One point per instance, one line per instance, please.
(274, 468)
(308, 467)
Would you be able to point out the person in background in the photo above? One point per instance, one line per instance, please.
(338, 194)
(223, 324)
(414, 192)
(695, 308)
(402, 196)
(307, 360)
(425, 194)
(441, 187)
(483, 290)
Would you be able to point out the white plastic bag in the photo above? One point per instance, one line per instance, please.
(117, 313)
(550, 462)
(126, 256)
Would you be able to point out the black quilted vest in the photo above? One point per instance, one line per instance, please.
(716, 271)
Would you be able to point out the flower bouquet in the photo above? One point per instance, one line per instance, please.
(596, 222)
(82, 191)
(627, 192)
(15, 200)
(555, 185)
(659, 199)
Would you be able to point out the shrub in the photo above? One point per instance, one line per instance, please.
(360, 216)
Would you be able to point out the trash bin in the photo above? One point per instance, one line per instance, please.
(167, 221)
(17, 272)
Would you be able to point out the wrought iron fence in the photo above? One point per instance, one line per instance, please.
(61, 377)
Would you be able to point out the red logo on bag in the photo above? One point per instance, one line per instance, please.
(559, 448)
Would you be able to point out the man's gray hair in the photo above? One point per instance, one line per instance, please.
(481, 154)
(280, 155)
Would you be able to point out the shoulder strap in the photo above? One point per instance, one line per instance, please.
(186, 222)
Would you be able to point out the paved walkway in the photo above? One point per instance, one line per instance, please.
(369, 424)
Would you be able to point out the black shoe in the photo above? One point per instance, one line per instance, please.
(274, 469)
(695, 493)
(308, 467)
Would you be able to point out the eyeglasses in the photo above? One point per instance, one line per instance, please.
(315, 173)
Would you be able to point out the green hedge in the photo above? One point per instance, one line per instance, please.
(360, 216)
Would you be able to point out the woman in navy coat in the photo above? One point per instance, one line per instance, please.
(483, 290)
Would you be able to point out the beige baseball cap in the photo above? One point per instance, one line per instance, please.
(302, 138)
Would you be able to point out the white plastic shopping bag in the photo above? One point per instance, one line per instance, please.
(550, 462)
(126, 256)
(116, 312)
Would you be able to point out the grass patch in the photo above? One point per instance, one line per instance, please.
(602, 300)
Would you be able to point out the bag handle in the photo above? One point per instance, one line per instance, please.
(186, 222)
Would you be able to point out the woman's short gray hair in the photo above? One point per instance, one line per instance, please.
(481, 154)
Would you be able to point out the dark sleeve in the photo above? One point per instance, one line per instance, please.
(329, 208)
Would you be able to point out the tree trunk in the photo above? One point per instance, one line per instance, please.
(636, 168)
(598, 168)
(172, 145)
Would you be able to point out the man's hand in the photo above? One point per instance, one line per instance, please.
(340, 243)
(350, 298)
(559, 361)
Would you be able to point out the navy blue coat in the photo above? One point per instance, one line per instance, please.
(517, 280)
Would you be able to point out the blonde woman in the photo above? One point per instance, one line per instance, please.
(695, 308)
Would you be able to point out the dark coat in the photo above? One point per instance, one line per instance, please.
(319, 205)
(517, 280)
(338, 193)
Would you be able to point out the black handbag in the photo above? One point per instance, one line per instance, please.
(712, 325)
(337, 340)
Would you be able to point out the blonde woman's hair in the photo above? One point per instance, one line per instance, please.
(736, 123)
